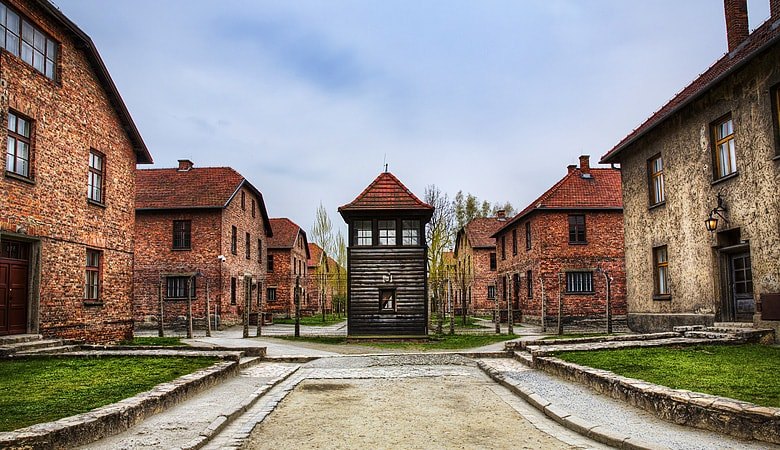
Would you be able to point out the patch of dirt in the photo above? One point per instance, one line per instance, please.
(409, 413)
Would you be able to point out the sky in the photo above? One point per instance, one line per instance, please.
(309, 99)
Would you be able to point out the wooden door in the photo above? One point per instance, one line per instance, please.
(742, 287)
(13, 297)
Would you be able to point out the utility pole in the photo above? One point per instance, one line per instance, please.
(260, 313)
(510, 314)
(189, 306)
(609, 307)
(560, 305)
(544, 310)
(247, 304)
(497, 313)
(160, 325)
(297, 297)
(208, 310)
(449, 306)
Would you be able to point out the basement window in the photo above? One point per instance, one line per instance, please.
(176, 287)
(579, 282)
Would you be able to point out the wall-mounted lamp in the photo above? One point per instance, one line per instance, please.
(712, 220)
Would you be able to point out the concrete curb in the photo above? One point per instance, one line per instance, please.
(117, 417)
(595, 431)
(218, 424)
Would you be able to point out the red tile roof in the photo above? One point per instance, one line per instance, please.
(315, 255)
(573, 192)
(479, 231)
(199, 187)
(762, 38)
(285, 233)
(386, 192)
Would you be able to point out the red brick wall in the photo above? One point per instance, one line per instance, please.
(473, 277)
(284, 276)
(210, 237)
(70, 117)
(316, 282)
(551, 254)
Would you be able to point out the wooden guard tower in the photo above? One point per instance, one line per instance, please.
(387, 285)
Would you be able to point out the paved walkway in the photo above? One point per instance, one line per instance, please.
(614, 415)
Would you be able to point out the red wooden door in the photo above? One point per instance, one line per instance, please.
(13, 297)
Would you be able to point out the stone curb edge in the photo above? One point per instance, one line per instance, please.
(117, 417)
(218, 424)
(704, 411)
(597, 432)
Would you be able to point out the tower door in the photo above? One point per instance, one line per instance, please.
(741, 287)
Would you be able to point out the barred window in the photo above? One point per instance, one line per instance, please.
(270, 294)
(233, 239)
(491, 292)
(181, 234)
(25, 40)
(176, 287)
(579, 282)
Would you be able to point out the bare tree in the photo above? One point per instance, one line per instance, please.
(439, 233)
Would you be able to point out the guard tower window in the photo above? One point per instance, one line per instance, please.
(363, 232)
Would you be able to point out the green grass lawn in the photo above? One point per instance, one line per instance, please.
(155, 340)
(45, 389)
(443, 342)
(745, 372)
(313, 321)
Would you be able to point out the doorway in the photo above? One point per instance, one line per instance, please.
(14, 265)
(741, 287)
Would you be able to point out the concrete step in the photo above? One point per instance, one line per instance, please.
(29, 345)
(732, 325)
(706, 334)
(50, 350)
(18, 338)
(524, 357)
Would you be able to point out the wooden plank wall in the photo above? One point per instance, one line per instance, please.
(368, 268)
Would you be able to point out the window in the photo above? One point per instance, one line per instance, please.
(655, 171)
(514, 241)
(493, 262)
(176, 287)
(243, 200)
(661, 270)
(233, 240)
(248, 245)
(411, 232)
(270, 263)
(577, 229)
(387, 299)
(259, 251)
(270, 294)
(92, 280)
(491, 292)
(19, 147)
(97, 171)
(725, 161)
(363, 232)
(529, 284)
(233, 290)
(776, 116)
(181, 234)
(387, 232)
(579, 282)
(528, 235)
(32, 45)
(503, 247)
(253, 207)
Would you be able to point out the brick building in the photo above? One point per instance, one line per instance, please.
(206, 228)
(712, 152)
(562, 247)
(288, 255)
(321, 275)
(475, 265)
(67, 190)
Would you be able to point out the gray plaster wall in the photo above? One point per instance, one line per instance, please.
(751, 197)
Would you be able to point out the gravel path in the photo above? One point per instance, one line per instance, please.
(620, 417)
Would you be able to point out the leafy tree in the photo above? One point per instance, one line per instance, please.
(468, 207)
(439, 233)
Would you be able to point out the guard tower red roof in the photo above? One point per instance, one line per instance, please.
(386, 192)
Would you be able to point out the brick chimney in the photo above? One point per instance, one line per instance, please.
(571, 168)
(585, 165)
(736, 22)
(774, 9)
(501, 215)
(185, 165)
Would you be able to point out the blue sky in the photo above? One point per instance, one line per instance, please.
(306, 99)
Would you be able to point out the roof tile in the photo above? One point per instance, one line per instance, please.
(200, 187)
(386, 192)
